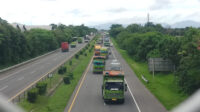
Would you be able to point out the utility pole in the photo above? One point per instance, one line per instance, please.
(148, 18)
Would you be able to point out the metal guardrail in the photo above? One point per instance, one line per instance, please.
(22, 93)
(26, 62)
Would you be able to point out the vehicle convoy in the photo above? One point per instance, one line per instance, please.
(114, 85)
(64, 46)
(97, 50)
(104, 52)
(98, 64)
(73, 45)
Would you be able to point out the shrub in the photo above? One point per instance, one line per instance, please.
(62, 70)
(66, 79)
(90, 50)
(70, 62)
(32, 95)
(71, 75)
(85, 54)
(81, 52)
(77, 56)
(42, 87)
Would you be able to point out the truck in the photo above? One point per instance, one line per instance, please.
(104, 52)
(73, 44)
(80, 40)
(86, 39)
(97, 50)
(114, 86)
(64, 46)
(106, 42)
(98, 64)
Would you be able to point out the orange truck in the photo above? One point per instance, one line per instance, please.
(97, 50)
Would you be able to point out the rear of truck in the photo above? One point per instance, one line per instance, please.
(98, 64)
(104, 52)
(113, 87)
(73, 45)
(97, 50)
(64, 46)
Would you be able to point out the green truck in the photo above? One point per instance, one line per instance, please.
(80, 40)
(106, 42)
(104, 52)
(114, 86)
(73, 44)
(98, 64)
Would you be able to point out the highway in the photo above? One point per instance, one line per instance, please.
(14, 81)
(87, 95)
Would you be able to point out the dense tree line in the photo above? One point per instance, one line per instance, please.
(17, 46)
(142, 42)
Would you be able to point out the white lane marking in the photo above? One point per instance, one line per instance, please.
(129, 87)
(21, 78)
(3, 87)
(133, 97)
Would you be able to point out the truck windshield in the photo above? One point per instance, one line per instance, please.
(114, 86)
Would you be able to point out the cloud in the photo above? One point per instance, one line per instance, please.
(160, 4)
(117, 10)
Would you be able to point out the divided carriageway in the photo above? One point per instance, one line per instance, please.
(16, 80)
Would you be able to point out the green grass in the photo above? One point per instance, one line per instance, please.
(163, 85)
(58, 101)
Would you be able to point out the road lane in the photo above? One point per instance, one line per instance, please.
(146, 101)
(89, 98)
(17, 79)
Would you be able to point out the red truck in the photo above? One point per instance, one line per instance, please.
(64, 46)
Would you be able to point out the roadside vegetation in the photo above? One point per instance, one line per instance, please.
(57, 100)
(17, 45)
(137, 43)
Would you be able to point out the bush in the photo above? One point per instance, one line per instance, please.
(77, 56)
(81, 52)
(32, 95)
(66, 79)
(71, 75)
(62, 70)
(42, 87)
(85, 54)
(70, 62)
(90, 50)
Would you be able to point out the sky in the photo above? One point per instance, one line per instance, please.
(95, 12)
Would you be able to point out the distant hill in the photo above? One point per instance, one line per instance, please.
(28, 27)
(188, 23)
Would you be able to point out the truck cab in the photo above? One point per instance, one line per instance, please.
(114, 85)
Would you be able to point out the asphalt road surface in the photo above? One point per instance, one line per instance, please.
(87, 96)
(13, 81)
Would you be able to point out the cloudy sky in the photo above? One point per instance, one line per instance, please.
(94, 12)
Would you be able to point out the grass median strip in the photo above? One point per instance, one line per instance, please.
(58, 101)
(162, 85)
